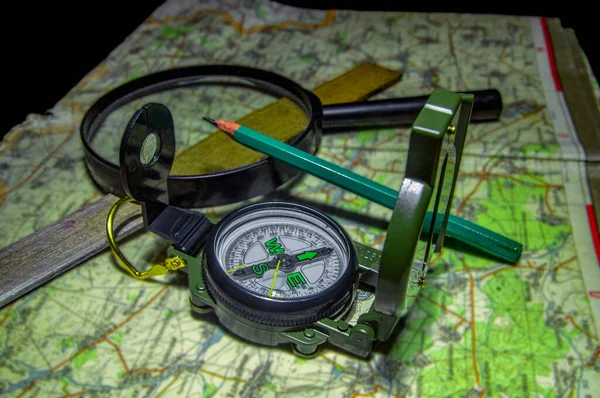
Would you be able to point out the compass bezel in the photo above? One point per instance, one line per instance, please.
(249, 304)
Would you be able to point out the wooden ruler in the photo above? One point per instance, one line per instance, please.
(47, 253)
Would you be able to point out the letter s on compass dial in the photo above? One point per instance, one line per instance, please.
(280, 264)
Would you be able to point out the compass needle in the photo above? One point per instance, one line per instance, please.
(235, 268)
(274, 278)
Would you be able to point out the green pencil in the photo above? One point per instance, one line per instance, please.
(457, 228)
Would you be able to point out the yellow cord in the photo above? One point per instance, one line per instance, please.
(170, 264)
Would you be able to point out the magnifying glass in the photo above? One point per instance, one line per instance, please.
(234, 92)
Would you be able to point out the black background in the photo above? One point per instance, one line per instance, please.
(51, 46)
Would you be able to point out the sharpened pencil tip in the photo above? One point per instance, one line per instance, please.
(211, 121)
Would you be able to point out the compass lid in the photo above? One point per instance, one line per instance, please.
(436, 143)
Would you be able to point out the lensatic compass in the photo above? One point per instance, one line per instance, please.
(284, 273)
(279, 264)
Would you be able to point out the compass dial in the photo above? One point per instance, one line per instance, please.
(284, 258)
(281, 255)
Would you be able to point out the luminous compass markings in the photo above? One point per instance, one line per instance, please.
(311, 265)
(235, 268)
(283, 258)
(306, 255)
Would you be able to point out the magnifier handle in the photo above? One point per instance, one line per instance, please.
(487, 107)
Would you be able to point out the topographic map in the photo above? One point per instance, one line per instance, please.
(479, 328)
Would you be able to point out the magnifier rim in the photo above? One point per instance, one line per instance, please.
(100, 168)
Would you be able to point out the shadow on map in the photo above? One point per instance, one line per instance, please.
(333, 211)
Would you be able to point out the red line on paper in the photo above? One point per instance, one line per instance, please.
(550, 52)
(594, 230)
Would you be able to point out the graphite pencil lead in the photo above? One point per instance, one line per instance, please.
(211, 121)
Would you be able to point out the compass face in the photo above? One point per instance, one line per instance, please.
(282, 254)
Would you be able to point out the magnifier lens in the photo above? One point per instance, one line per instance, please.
(258, 105)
